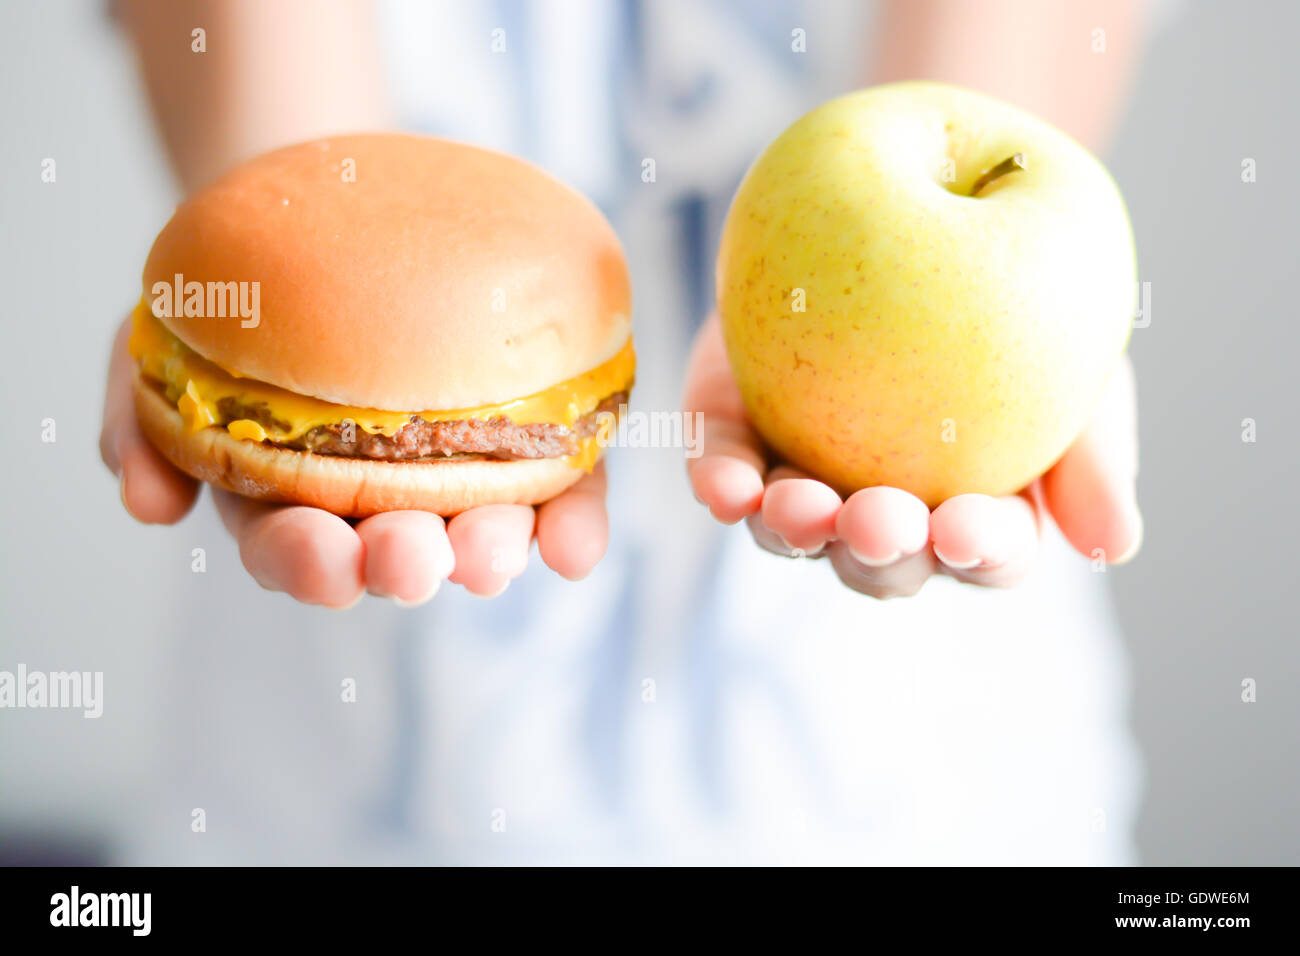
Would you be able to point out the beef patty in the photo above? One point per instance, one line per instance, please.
(419, 439)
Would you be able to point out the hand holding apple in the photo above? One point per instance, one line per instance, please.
(884, 541)
(927, 315)
(925, 288)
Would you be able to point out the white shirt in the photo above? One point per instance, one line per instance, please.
(695, 699)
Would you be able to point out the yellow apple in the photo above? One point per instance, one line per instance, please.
(887, 327)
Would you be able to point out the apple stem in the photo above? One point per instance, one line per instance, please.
(1009, 165)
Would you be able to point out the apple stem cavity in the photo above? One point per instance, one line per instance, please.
(1009, 165)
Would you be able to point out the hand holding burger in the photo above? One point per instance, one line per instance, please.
(391, 328)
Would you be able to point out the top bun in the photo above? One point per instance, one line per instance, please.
(399, 272)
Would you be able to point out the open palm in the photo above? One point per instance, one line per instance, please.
(884, 541)
(319, 558)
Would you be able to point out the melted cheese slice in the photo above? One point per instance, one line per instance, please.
(197, 386)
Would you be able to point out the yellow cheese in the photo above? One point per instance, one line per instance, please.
(194, 409)
(244, 429)
(198, 386)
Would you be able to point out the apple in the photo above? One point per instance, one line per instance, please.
(926, 288)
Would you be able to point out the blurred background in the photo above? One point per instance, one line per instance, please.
(1206, 606)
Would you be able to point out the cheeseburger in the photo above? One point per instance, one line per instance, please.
(380, 322)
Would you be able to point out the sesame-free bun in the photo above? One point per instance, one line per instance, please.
(351, 487)
(402, 273)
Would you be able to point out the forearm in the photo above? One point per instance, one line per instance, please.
(271, 74)
(1041, 55)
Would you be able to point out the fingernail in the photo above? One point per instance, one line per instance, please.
(801, 552)
(497, 593)
(958, 565)
(875, 562)
(1137, 541)
(116, 464)
(351, 604)
(400, 602)
(419, 601)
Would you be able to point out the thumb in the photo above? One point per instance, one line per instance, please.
(152, 491)
(1092, 491)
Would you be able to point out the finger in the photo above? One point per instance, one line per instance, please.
(984, 540)
(491, 546)
(152, 490)
(799, 510)
(1092, 491)
(883, 543)
(901, 578)
(311, 555)
(408, 554)
(881, 526)
(727, 475)
(117, 396)
(573, 529)
(731, 485)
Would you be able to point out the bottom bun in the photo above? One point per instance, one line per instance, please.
(350, 487)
